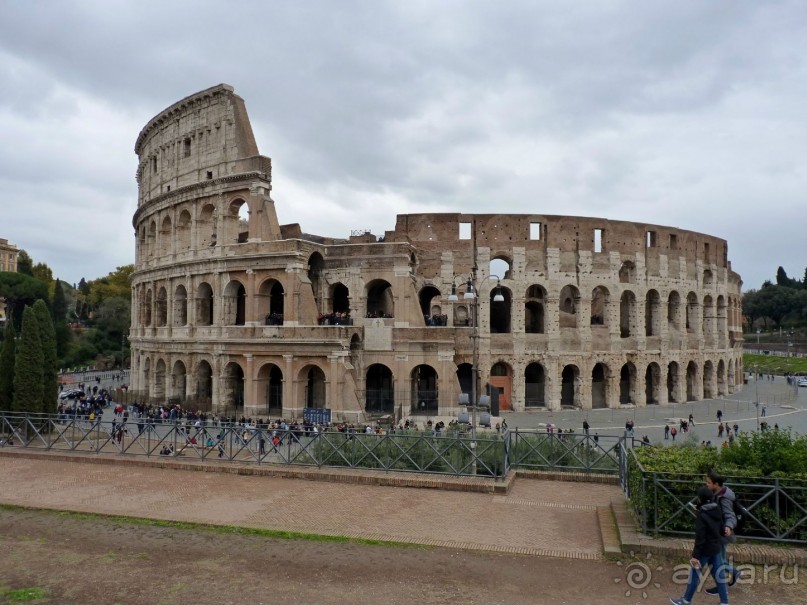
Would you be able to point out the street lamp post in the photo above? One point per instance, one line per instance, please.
(472, 294)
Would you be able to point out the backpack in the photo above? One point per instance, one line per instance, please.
(740, 512)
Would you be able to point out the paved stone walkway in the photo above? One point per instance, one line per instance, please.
(551, 518)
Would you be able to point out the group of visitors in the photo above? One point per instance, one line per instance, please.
(334, 319)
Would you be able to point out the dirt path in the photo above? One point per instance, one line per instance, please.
(99, 560)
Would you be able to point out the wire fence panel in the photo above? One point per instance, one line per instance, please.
(775, 508)
(570, 452)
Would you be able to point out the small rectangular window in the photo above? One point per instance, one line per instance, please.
(187, 148)
(673, 241)
(598, 240)
(651, 239)
(535, 231)
(706, 251)
(209, 175)
(154, 163)
(465, 230)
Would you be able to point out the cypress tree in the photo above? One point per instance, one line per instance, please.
(7, 354)
(28, 375)
(59, 314)
(47, 338)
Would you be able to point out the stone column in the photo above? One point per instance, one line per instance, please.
(289, 387)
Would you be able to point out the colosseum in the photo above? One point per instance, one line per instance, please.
(241, 315)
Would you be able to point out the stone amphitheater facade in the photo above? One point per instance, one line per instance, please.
(236, 313)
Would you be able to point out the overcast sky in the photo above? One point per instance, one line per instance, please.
(690, 114)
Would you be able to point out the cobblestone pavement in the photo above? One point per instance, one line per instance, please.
(537, 517)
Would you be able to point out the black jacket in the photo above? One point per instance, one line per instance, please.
(708, 525)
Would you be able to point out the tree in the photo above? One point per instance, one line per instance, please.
(24, 264)
(776, 302)
(7, 354)
(21, 290)
(47, 338)
(59, 315)
(783, 280)
(28, 374)
(751, 308)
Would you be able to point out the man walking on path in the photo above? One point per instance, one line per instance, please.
(586, 427)
(724, 497)
(708, 526)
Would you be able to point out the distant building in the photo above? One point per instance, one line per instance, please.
(8, 262)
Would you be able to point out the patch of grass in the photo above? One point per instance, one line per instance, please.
(23, 595)
(218, 529)
(771, 364)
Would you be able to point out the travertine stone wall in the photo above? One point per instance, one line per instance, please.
(249, 317)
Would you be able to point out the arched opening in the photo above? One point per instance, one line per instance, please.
(652, 384)
(166, 235)
(147, 379)
(178, 376)
(183, 234)
(162, 308)
(379, 395)
(180, 315)
(206, 226)
(570, 387)
(152, 239)
(674, 311)
(314, 391)
(159, 381)
(272, 298)
(673, 382)
(270, 386)
(429, 298)
(500, 384)
(500, 266)
(465, 377)
(204, 384)
(627, 384)
(569, 305)
(709, 321)
(722, 322)
(239, 210)
(534, 386)
(599, 386)
(534, 310)
(500, 312)
(340, 298)
(721, 379)
(233, 389)
(691, 312)
(204, 305)
(424, 390)
(692, 381)
(234, 304)
(627, 314)
(708, 278)
(708, 380)
(462, 316)
(627, 273)
(652, 313)
(380, 301)
(599, 306)
(316, 267)
(147, 309)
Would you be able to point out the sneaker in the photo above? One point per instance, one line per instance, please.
(712, 591)
(680, 601)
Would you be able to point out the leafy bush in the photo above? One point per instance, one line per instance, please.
(753, 465)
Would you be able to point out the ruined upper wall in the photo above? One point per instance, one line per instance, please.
(539, 232)
(204, 137)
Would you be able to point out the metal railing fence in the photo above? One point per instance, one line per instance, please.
(446, 452)
(776, 508)
(534, 449)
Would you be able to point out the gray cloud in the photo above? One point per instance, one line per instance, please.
(687, 114)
